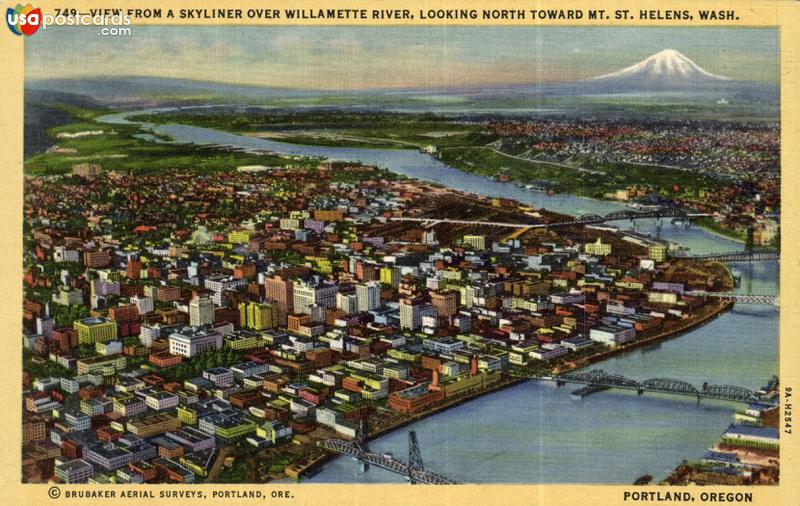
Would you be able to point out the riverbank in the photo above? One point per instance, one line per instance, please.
(314, 465)
(762, 459)
(502, 383)
(684, 327)
(711, 227)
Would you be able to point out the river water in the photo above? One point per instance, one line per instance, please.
(535, 432)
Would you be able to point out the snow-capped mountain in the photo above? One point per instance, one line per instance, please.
(667, 73)
(667, 69)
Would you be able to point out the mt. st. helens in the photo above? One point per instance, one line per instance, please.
(667, 68)
(667, 72)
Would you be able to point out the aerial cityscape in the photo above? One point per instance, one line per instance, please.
(540, 255)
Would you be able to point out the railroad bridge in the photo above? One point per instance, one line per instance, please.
(735, 256)
(740, 298)
(601, 378)
(585, 219)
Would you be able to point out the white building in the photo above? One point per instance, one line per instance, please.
(219, 284)
(368, 296)
(74, 471)
(347, 303)
(220, 376)
(62, 254)
(314, 292)
(192, 340)
(201, 311)
(161, 400)
(612, 334)
(245, 369)
(443, 345)
(145, 305)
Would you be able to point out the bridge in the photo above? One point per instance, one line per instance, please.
(603, 380)
(735, 256)
(414, 470)
(584, 219)
(772, 300)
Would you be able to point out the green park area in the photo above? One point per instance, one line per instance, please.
(130, 148)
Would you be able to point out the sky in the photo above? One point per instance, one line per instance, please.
(335, 57)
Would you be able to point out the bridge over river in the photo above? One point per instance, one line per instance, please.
(414, 469)
(601, 380)
(585, 219)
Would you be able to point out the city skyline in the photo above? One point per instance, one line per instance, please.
(353, 58)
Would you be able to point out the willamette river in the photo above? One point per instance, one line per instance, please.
(535, 432)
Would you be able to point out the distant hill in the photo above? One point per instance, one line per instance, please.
(40, 115)
(150, 91)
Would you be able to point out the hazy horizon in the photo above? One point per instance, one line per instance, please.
(417, 57)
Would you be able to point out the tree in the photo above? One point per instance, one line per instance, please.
(64, 316)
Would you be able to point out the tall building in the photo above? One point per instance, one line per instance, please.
(134, 269)
(143, 304)
(476, 242)
(96, 259)
(412, 311)
(201, 311)
(445, 302)
(314, 292)
(95, 329)
(220, 284)
(368, 296)
(390, 276)
(281, 290)
(347, 302)
(258, 316)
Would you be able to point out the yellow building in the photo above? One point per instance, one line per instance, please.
(243, 340)
(95, 329)
(258, 316)
(476, 242)
(240, 236)
(631, 285)
(234, 428)
(390, 276)
(402, 354)
(657, 252)
(597, 248)
(152, 425)
(105, 365)
(187, 415)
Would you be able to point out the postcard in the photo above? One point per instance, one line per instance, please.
(315, 253)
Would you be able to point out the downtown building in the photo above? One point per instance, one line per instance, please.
(314, 292)
(281, 290)
(189, 341)
(201, 311)
(368, 296)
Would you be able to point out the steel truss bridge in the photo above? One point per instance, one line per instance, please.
(739, 298)
(591, 219)
(600, 378)
(414, 469)
(736, 256)
(585, 219)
